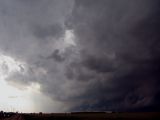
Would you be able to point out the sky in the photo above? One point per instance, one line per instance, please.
(79, 55)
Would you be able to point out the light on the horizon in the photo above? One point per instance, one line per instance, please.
(11, 98)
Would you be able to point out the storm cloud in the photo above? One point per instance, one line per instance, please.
(120, 42)
(89, 55)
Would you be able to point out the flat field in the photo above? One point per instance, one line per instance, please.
(93, 116)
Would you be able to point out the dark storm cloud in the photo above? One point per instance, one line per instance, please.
(99, 64)
(48, 31)
(123, 38)
(56, 55)
(113, 66)
(27, 26)
(29, 32)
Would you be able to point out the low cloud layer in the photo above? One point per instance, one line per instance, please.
(88, 55)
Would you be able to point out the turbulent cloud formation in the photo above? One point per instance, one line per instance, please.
(89, 55)
(120, 47)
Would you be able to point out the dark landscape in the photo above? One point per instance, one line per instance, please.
(83, 116)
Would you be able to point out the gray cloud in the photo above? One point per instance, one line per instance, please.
(121, 37)
(113, 66)
(48, 31)
(56, 55)
(30, 32)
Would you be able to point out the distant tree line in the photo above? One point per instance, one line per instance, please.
(6, 114)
